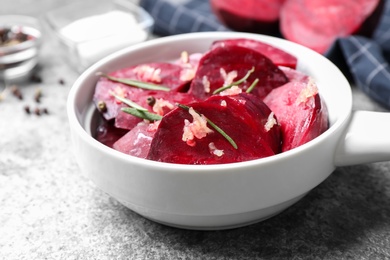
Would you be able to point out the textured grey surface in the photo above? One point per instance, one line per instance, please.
(50, 210)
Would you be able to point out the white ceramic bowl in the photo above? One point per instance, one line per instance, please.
(227, 195)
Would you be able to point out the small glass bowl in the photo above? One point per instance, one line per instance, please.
(91, 31)
(19, 46)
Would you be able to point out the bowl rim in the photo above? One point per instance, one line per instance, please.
(79, 129)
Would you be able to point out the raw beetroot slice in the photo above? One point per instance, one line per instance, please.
(317, 23)
(259, 16)
(224, 64)
(166, 74)
(277, 56)
(300, 110)
(244, 117)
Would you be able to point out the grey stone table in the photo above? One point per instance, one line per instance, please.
(50, 210)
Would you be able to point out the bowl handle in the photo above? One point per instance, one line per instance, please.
(366, 140)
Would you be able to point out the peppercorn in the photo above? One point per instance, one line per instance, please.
(151, 101)
(101, 105)
(38, 95)
(27, 109)
(37, 111)
(16, 92)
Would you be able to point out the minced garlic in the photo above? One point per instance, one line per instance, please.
(271, 121)
(206, 84)
(228, 77)
(214, 150)
(159, 105)
(187, 74)
(234, 90)
(309, 91)
(147, 73)
(119, 91)
(184, 57)
(197, 128)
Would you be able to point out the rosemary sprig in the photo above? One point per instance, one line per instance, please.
(128, 102)
(216, 128)
(252, 86)
(135, 83)
(236, 82)
(141, 113)
(136, 110)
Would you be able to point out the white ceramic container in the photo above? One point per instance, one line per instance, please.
(228, 195)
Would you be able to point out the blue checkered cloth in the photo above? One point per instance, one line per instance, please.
(365, 61)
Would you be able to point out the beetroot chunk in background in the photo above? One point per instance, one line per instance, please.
(244, 117)
(276, 55)
(300, 110)
(217, 64)
(317, 23)
(259, 16)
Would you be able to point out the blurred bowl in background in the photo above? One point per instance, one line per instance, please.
(20, 41)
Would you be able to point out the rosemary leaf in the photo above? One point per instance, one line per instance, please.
(252, 86)
(141, 114)
(135, 83)
(128, 102)
(216, 128)
(236, 82)
(223, 133)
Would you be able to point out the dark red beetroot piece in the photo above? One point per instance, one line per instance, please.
(243, 117)
(259, 16)
(300, 110)
(233, 58)
(276, 55)
(317, 23)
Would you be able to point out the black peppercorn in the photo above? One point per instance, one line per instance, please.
(151, 101)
